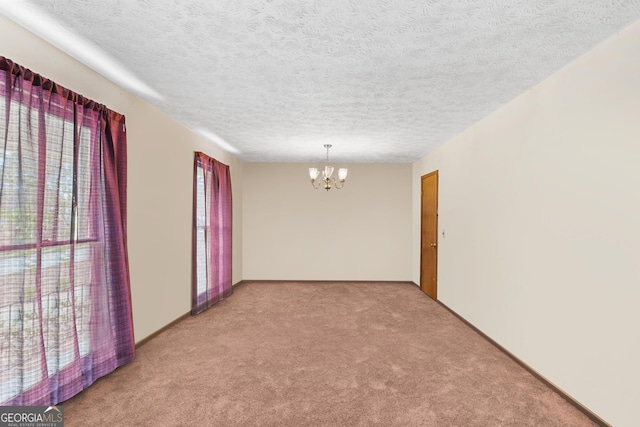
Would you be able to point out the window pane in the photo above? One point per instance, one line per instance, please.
(64, 311)
(200, 200)
(82, 292)
(88, 187)
(58, 185)
(18, 326)
(18, 205)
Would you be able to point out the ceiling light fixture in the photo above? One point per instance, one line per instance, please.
(327, 181)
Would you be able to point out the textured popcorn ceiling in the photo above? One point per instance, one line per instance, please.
(382, 80)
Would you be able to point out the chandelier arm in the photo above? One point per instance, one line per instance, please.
(315, 184)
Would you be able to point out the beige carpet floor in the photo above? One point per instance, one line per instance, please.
(321, 354)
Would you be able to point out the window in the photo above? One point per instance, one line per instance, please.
(65, 312)
(212, 233)
(27, 251)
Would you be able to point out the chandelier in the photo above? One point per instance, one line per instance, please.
(327, 181)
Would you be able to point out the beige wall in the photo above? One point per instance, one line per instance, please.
(539, 203)
(293, 232)
(540, 206)
(160, 155)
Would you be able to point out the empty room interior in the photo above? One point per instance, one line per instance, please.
(534, 131)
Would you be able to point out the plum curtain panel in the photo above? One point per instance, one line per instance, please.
(211, 277)
(65, 302)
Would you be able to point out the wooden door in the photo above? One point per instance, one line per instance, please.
(429, 235)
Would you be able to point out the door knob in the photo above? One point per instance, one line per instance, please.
(433, 245)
